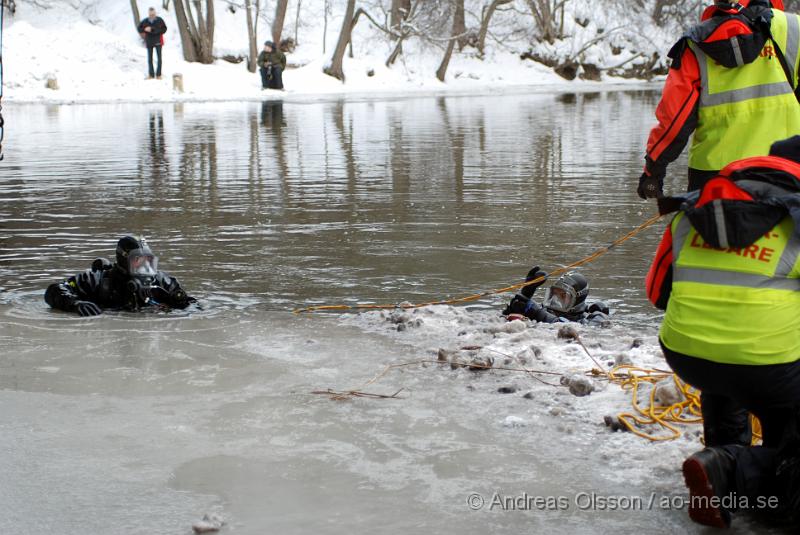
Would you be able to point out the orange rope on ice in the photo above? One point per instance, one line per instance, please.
(666, 417)
(474, 297)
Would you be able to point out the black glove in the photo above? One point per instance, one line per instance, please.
(598, 306)
(518, 305)
(533, 274)
(101, 264)
(87, 308)
(650, 186)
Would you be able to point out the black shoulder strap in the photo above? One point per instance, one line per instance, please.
(765, 25)
(785, 66)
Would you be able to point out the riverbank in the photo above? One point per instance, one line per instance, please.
(63, 55)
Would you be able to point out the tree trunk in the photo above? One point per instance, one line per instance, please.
(335, 69)
(197, 36)
(211, 23)
(460, 25)
(136, 17)
(277, 23)
(451, 43)
(398, 14)
(544, 12)
(297, 22)
(205, 30)
(398, 49)
(201, 31)
(487, 17)
(251, 37)
(187, 40)
(325, 28)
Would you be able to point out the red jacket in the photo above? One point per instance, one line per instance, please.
(676, 115)
(677, 111)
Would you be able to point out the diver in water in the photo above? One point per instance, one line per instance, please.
(564, 301)
(132, 283)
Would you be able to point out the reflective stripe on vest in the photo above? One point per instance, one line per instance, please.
(790, 50)
(778, 281)
(743, 110)
(734, 306)
(734, 278)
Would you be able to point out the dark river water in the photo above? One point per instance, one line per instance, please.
(283, 204)
(142, 423)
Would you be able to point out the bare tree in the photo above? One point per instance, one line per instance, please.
(549, 17)
(325, 27)
(277, 22)
(399, 12)
(488, 12)
(460, 26)
(196, 29)
(451, 43)
(185, 31)
(663, 10)
(251, 36)
(297, 20)
(135, 10)
(335, 68)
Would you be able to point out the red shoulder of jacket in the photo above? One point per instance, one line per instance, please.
(769, 162)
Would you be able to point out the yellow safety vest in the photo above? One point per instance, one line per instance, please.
(735, 306)
(743, 110)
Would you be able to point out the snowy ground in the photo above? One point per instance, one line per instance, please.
(442, 331)
(96, 56)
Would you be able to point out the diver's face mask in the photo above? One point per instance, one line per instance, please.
(142, 264)
(560, 297)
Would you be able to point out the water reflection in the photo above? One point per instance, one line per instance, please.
(295, 202)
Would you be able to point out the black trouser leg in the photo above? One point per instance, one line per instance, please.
(771, 392)
(773, 423)
(264, 77)
(151, 71)
(277, 77)
(158, 53)
(724, 421)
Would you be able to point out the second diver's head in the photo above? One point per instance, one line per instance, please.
(567, 295)
(136, 259)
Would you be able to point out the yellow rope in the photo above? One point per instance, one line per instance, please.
(474, 297)
(666, 417)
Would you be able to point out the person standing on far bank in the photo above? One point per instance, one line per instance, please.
(271, 63)
(731, 83)
(152, 30)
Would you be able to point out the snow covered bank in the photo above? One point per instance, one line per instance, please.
(95, 55)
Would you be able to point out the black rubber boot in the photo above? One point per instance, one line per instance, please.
(709, 476)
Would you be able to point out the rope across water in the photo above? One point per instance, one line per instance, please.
(474, 297)
(649, 419)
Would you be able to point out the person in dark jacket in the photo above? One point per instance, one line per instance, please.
(132, 283)
(271, 63)
(152, 30)
(565, 301)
